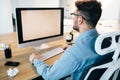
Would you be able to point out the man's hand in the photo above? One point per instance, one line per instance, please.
(33, 56)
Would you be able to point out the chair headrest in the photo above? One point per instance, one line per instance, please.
(114, 38)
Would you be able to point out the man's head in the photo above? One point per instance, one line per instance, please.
(87, 13)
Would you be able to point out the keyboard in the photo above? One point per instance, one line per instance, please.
(51, 53)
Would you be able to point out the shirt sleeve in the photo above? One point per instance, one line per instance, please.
(65, 66)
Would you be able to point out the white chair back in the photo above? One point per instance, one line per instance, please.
(115, 46)
(113, 66)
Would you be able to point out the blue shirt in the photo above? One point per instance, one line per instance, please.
(74, 59)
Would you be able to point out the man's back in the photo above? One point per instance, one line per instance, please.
(83, 51)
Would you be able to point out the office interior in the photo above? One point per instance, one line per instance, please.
(110, 15)
(109, 21)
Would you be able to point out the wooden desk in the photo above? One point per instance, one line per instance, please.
(27, 71)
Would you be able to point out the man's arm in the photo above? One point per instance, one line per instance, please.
(65, 66)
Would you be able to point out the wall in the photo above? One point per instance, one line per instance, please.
(5, 17)
(111, 11)
(69, 6)
(110, 18)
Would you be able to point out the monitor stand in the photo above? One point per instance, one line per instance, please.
(42, 47)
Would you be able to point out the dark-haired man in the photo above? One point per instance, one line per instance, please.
(80, 54)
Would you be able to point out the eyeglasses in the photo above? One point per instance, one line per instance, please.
(78, 15)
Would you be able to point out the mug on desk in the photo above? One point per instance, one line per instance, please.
(7, 51)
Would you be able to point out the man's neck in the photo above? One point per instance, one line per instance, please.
(84, 28)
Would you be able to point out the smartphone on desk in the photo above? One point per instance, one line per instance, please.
(11, 63)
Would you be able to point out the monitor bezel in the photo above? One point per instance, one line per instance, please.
(19, 24)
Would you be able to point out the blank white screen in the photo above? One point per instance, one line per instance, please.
(40, 23)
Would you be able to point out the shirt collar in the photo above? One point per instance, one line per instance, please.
(87, 33)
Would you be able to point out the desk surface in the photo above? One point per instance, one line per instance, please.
(27, 71)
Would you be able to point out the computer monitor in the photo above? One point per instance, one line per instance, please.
(39, 25)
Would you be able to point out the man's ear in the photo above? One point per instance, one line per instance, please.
(80, 20)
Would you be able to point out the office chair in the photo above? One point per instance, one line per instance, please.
(107, 66)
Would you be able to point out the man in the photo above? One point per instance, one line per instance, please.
(80, 54)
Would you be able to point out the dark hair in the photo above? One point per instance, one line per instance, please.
(90, 10)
